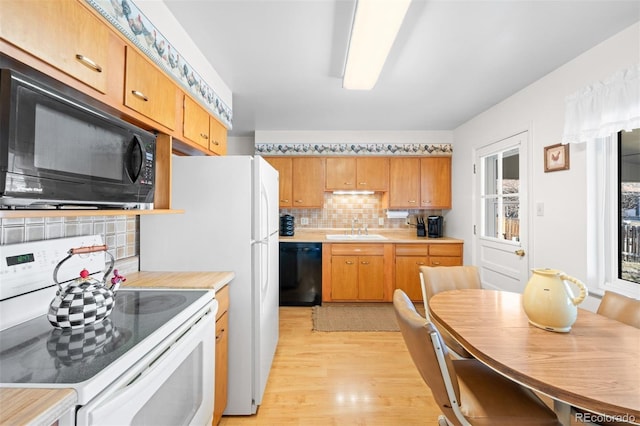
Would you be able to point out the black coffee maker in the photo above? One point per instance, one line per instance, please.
(434, 226)
(287, 225)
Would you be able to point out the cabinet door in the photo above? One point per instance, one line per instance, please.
(284, 166)
(341, 173)
(218, 137)
(404, 183)
(370, 277)
(408, 275)
(344, 277)
(372, 174)
(148, 90)
(308, 182)
(196, 123)
(221, 375)
(62, 33)
(435, 182)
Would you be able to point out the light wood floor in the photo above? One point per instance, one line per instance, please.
(342, 378)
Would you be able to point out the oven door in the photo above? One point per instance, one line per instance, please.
(172, 385)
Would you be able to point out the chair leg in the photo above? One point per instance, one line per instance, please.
(442, 421)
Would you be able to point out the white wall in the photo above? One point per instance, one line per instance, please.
(356, 137)
(241, 145)
(557, 239)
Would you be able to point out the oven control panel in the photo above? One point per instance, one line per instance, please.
(28, 267)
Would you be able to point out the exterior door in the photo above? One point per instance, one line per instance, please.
(501, 214)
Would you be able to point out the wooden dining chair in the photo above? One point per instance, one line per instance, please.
(467, 392)
(436, 279)
(620, 308)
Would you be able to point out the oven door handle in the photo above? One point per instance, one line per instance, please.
(124, 399)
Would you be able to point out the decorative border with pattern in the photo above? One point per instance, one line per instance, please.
(125, 16)
(352, 149)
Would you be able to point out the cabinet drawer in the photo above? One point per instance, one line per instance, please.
(222, 296)
(412, 249)
(358, 249)
(445, 249)
(445, 261)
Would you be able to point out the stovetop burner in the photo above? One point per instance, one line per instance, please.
(34, 352)
(132, 304)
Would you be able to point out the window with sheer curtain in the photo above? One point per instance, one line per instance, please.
(606, 116)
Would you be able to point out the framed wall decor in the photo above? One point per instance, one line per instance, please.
(556, 157)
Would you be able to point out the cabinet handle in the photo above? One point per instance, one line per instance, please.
(216, 143)
(140, 95)
(364, 262)
(435, 263)
(426, 202)
(203, 136)
(348, 262)
(412, 201)
(88, 63)
(298, 201)
(284, 201)
(362, 183)
(347, 183)
(419, 263)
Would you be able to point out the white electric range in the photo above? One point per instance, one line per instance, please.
(151, 361)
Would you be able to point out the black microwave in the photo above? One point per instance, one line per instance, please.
(58, 152)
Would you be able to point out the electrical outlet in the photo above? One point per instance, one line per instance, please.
(540, 209)
(381, 221)
(304, 221)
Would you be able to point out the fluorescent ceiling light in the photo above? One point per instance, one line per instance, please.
(374, 30)
(349, 192)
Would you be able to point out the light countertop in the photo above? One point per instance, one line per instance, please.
(318, 235)
(44, 406)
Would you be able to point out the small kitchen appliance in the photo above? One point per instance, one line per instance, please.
(287, 225)
(58, 149)
(434, 226)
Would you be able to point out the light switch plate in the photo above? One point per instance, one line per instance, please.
(381, 221)
(304, 221)
(540, 209)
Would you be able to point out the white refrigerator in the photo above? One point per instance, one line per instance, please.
(230, 223)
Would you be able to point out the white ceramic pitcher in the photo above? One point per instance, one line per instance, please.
(549, 302)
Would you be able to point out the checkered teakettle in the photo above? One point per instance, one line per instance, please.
(85, 300)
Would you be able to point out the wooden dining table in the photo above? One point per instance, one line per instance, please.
(595, 366)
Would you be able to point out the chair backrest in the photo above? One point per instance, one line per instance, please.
(435, 279)
(620, 308)
(420, 337)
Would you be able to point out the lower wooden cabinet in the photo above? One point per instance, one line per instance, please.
(222, 355)
(372, 271)
(410, 257)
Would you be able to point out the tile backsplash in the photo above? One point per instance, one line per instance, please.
(120, 233)
(339, 210)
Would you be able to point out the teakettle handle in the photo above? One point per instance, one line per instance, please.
(84, 250)
(584, 292)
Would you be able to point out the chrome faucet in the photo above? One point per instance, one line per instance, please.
(353, 224)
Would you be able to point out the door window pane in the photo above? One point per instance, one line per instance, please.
(500, 195)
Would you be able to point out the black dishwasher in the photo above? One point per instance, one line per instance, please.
(300, 274)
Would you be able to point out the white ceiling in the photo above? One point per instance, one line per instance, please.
(283, 59)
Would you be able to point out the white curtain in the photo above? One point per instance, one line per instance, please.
(604, 108)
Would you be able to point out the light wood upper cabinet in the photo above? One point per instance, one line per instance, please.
(217, 137)
(435, 182)
(195, 123)
(404, 183)
(308, 182)
(420, 183)
(351, 173)
(62, 33)
(148, 90)
(341, 173)
(284, 166)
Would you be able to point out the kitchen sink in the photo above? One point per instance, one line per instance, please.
(355, 237)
